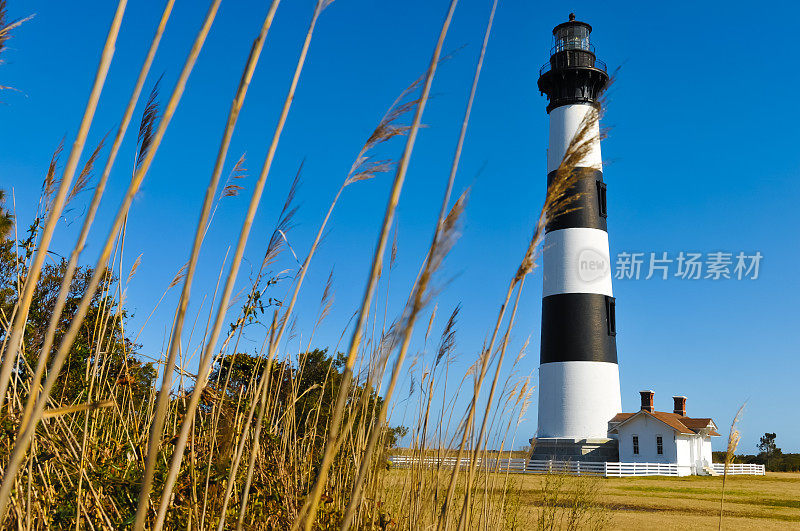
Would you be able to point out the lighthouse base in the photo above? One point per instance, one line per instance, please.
(565, 449)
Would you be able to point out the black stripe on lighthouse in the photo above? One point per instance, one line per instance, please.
(589, 209)
(578, 327)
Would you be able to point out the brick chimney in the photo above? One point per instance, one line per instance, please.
(647, 400)
(680, 405)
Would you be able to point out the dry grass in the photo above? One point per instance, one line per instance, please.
(763, 502)
(287, 437)
(752, 502)
(730, 451)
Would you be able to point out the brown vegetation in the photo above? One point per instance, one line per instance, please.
(99, 437)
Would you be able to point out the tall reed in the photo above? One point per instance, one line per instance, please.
(58, 202)
(557, 201)
(23, 439)
(308, 512)
(730, 452)
(440, 245)
(231, 279)
(93, 206)
(175, 340)
(292, 435)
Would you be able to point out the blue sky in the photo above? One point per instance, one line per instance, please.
(701, 157)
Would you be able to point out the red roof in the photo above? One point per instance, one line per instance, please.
(679, 423)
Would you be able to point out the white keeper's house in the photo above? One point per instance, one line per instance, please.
(650, 436)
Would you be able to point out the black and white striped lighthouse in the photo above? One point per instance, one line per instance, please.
(579, 388)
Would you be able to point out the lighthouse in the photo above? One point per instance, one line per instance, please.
(579, 390)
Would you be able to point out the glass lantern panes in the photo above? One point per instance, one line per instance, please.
(572, 37)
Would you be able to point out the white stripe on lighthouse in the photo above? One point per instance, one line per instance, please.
(578, 398)
(576, 260)
(564, 123)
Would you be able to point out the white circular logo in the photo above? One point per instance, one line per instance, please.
(592, 265)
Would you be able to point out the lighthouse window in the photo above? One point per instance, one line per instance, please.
(611, 317)
(660, 444)
(636, 444)
(601, 199)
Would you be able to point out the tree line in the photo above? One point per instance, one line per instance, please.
(769, 455)
(106, 360)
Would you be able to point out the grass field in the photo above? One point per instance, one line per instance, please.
(751, 502)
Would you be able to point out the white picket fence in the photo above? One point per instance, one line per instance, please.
(577, 468)
(646, 469)
(739, 469)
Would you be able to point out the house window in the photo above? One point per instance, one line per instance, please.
(636, 445)
(660, 445)
(601, 199)
(611, 317)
